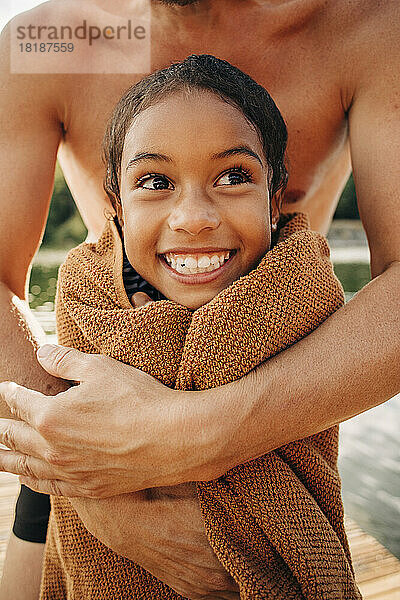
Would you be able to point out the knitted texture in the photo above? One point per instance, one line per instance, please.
(275, 523)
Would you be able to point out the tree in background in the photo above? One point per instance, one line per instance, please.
(65, 227)
(347, 207)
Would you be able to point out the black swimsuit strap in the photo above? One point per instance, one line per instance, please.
(133, 282)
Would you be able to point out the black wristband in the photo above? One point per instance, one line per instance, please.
(32, 513)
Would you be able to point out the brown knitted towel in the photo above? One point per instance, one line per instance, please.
(275, 523)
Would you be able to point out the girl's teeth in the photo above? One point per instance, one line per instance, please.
(203, 262)
(192, 265)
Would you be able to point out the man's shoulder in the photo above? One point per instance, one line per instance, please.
(72, 12)
(341, 22)
(366, 20)
(49, 12)
(361, 12)
(21, 51)
(362, 39)
(54, 13)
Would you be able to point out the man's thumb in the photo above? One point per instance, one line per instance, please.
(63, 362)
(140, 299)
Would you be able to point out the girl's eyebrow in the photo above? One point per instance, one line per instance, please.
(147, 156)
(238, 150)
(244, 150)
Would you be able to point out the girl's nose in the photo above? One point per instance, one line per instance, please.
(193, 213)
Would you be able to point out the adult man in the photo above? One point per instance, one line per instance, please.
(326, 66)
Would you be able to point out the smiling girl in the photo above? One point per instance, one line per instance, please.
(195, 167)
(192, 179)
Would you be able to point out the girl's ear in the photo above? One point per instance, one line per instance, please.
(275, 212)
(120, 215)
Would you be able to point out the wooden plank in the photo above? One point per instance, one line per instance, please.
(390, 584)
(377, 570)
(9, 487)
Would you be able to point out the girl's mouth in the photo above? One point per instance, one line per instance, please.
(197, 267)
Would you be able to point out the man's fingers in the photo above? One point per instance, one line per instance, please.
(28, 466)
(24, 404)
(18, 436)
(54, 487)
(64, 362)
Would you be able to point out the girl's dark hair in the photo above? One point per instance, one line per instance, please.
(199, 72)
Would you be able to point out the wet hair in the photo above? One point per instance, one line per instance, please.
(199, 72)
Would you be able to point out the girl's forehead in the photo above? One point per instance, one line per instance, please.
(199, 120)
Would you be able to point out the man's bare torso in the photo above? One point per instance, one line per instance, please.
(302, 51)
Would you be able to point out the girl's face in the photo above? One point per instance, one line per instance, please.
(194, 192)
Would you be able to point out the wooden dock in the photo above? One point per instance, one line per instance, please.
(377, 571)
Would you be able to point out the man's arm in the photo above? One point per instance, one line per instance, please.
(351, 362)
(30, 134)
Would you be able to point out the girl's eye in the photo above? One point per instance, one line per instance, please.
(234, 176)
(154, 182)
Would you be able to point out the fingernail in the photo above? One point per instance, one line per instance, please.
(139, 299)
(45, 350)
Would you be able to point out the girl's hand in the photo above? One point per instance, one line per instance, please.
(140, 299)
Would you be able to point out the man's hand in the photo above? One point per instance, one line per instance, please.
(100, 438)
(165, 536)
(117, 431)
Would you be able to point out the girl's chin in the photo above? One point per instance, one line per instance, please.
(192, 298)
(192, 304)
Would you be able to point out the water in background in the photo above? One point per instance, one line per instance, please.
(369, 465)
(369, 456)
